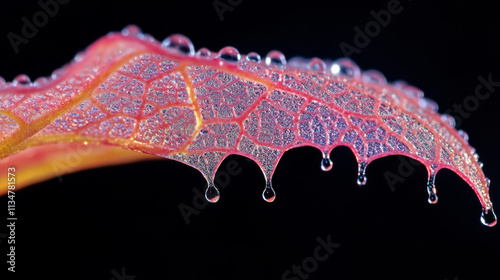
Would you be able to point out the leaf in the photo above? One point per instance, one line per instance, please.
(129, 91)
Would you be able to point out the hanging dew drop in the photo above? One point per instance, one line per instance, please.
(433, 198)
(361, 181)
(326, 162)
(179, 43)
(488, 217)
(212, 193)
(269, 194)
(229, 54)
(431, 186)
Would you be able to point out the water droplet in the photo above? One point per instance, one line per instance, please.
(132, 30)
(212, 193)
(179, 43)
(432, 105)
(374, 76)
(431, 187)
(345, 66)
(79, 56)
(253, 56)
(204, 52)
(480, 164)
(229, 54)
(326, 162)
(298, 61)
(269, 194)
(427, 103)
(464, 135)
(41, 81)
(448, 119)
(431, 190)
(21, 80)
(488, 217)
(408, 89)
(147, 37)
(317, 64)
(362, 173)
(57, 73)
(276, 58)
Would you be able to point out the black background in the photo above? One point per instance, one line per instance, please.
(97, 221)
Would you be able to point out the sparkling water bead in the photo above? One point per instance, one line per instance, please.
(346, 67)
(431, 191)
(326, 162)
(269, 194)
(361, 180)
(408, 89)
(180, 43)
(212, 193)
(488, 217)
(204, 52)
(431, 185)
(275, 58)
(317, 64)
(131, 30)
(21, 80)
(253, 56)
(374, 76)
(229, 54)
